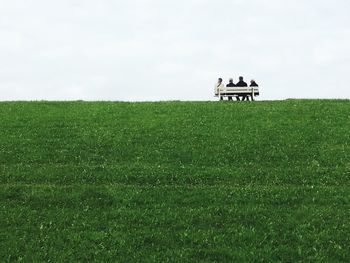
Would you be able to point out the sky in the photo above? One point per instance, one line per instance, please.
(150, 50)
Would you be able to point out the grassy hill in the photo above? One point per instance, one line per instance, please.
(175, 181)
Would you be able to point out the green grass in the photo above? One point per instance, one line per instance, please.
(175, 181)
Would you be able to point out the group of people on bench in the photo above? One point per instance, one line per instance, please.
(240, 83)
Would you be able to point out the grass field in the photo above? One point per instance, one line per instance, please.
(175, 181)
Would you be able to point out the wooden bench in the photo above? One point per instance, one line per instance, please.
(238, 91)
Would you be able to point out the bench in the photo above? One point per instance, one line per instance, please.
(238, 91)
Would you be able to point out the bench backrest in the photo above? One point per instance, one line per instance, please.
(239, 90)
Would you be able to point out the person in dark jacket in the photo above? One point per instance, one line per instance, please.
(230, 84)
(253, 83)
(241, 83)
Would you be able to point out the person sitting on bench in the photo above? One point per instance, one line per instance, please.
(241, 83)
(219, 85)
(231, 84)
(253, 83)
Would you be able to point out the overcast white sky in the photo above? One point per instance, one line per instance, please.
(172, 49)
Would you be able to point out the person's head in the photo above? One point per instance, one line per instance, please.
(231, 80)
(252, 81)
(219, 80)
(240, 78)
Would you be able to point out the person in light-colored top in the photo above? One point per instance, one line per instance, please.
(219, 85)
